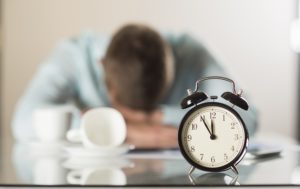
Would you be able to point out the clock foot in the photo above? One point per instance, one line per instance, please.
(191, 170)
(234, 169)
(191, 179)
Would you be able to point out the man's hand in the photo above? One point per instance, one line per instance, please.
(145, 135)
(146, 130)
(135, 116)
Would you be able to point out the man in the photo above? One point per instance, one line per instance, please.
(137, 72)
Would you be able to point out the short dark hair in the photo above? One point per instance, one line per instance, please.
(135, 65)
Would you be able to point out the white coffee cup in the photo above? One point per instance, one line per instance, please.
(102, 176)
(100, 127)
(51, 123)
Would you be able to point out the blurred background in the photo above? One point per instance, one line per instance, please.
(251, 38)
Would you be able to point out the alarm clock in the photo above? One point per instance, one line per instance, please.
(212, 135)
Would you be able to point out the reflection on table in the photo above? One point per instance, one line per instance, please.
(39, 164)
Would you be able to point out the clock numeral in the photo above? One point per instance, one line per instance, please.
(236, 136)
(194, 126)
(223, 117)
(212, 159)
(192, 148)
(213, 115)
(225, 157)
(233, 125)
(189, 137)
(201, 156)
(232, 148)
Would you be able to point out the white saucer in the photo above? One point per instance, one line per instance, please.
(80, 151)
(90, 162)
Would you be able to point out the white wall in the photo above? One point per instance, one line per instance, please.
(250, 36)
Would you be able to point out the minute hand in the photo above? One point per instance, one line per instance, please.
(206, 125)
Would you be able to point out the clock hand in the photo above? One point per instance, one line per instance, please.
(206, 125)
(212, 136)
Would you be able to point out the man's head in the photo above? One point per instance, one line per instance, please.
(139, 67)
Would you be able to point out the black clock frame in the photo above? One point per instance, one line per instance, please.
(230, 164)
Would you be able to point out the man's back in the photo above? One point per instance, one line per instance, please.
(74, 74)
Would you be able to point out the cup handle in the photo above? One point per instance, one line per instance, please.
(74, 177)
(74, 135)
(75, 115)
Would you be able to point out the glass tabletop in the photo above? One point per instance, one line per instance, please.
(50, 165)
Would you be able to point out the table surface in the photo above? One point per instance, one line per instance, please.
(50, 165)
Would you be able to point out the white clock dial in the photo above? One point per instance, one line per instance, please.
(213, 137)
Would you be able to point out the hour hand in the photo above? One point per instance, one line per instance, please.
(205, 124)
(212, 136)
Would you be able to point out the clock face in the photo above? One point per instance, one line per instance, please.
(212, 136)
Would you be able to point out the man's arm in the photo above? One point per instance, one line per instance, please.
(53, 84)
(194, 61)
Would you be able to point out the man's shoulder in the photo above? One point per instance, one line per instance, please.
(84, 46)
(182, 40)
(186, 48)
(89, 40)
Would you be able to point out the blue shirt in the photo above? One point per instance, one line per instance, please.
(73, 74)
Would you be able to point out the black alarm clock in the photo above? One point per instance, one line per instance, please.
(212, 135)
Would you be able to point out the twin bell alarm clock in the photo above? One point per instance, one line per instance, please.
(212, 135)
